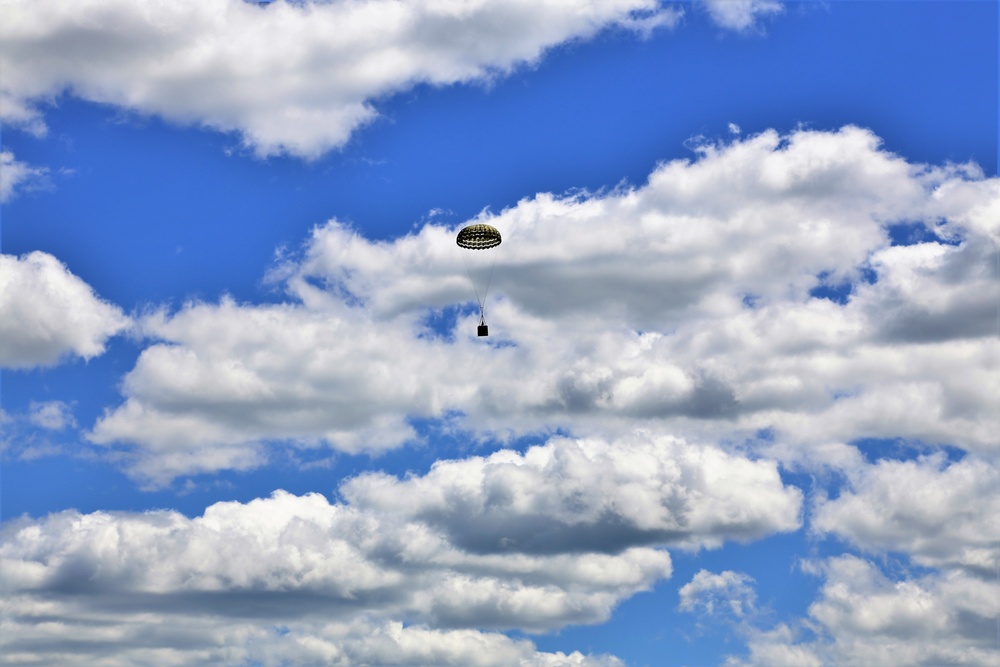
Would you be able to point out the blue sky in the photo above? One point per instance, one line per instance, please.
(738, 404)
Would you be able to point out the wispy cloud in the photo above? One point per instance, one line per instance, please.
(741, 15)
(16, 176)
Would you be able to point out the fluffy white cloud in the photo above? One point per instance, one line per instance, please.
(289, 77)
(15, 175)
(740, 15)
(943, 515)
(47, 313)
(777, 648)
(686, 305)
(932, 620)
(194, 640)
(727, 592)
(555, 536)
(862, 617)
(291, 575)
(571, 495)
(233, 375)
(306, 556)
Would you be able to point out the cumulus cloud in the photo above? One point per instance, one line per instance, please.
(931, 620)
(863, 617)
(196, 640)
(696, 304)
(47, 313)
(15, 175)
(777, 647)
(580, 495)
(558, 535)
(334, 578)
(943, 515)
(304, 555)
(289, 77)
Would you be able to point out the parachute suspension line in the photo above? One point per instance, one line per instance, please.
(492, 258)
(489, 278)
(478, 276)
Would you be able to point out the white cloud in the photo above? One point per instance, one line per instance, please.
(862, 617)
(297, 78)
(681, 306)
(572, 495)
(15, 175)
(932, 620)
(52, 415)
(47, 313)
(777, 648)
(944, 516)
(337, 578)
(555, 536)
(194, 640)
(740, 15)
(728, 592)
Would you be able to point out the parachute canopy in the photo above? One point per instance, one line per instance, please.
(479, 243)
(478, 237)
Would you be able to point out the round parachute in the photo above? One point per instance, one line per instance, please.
(479, 243)
(478, 237)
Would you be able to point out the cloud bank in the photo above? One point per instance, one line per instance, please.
(766, 303)
(365, 582)
(755, 289)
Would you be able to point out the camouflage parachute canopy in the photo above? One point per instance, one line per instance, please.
(478, 237)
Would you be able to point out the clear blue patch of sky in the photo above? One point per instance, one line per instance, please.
(88, 386)
(902, 449)
(915, 232)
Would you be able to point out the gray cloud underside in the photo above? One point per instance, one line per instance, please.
(109, 640)
(124, 585)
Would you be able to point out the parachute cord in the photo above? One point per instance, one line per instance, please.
(482, 315)
(489, 277)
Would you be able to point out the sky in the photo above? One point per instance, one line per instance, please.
(740, 399)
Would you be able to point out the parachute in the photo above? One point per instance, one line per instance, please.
(479, 243)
